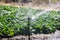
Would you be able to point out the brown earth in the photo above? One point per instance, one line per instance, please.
(42, 6)
(55, 36)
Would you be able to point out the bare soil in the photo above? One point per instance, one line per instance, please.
(41, 6)
(54, 36)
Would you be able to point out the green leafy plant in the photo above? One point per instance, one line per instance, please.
(13, 21)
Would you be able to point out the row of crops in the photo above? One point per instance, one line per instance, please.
(13, 21)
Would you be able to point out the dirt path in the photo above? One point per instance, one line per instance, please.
(32, 6)
(55, 36)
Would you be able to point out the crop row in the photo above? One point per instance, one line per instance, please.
(14, 21)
